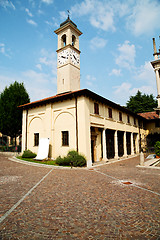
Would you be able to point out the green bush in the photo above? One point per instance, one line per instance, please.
(157, 148)
(28, 154)
(73, 158)
(63, 161)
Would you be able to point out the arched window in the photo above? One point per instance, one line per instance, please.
(73, 40)
(64, 40)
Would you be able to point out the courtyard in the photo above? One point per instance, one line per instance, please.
(111, 201)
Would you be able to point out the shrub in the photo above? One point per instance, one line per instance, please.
(157, 148)
(76, 159)
(73, 158)
(28, 154)
(63, 161)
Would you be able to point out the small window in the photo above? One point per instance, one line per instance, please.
(128, 119)
(73, 40)
(135, 121)
(36, 139)
(96, 108)
(65, 138)
(110, 112)
(157, 123)
(120, 116)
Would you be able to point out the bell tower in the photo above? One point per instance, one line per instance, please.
(68, 57)
(156, 66)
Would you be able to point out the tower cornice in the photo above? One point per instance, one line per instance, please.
(68, 46)
(68, 25)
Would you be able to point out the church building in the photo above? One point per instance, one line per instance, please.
(79, 119)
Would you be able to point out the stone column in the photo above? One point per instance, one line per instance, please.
(125, 145)
(115, 145)
(104, 145)
(137, 143)
(132, 145)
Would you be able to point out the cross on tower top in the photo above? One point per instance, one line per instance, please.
(68, 14)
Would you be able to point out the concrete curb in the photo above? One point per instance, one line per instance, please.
(14, 159)
(150, 164)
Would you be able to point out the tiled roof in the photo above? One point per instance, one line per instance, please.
(149, 115)
(46, 100)
(74, 94)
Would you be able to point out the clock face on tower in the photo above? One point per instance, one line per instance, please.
(63, 57)
(74, 57)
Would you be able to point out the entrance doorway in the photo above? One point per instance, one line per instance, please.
(128, 138)
(110, 143)
(93, 150)
(96, 144)
(120, 136)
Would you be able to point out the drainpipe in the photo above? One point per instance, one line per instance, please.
(76, 124)
(26, 128)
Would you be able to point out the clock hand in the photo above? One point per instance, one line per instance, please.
(74, 57)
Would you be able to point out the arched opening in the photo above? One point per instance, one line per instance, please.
(63, 40)
(73, 40)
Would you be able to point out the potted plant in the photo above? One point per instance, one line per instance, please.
(157, 149)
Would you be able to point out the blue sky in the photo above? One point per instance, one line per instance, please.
(116, 45)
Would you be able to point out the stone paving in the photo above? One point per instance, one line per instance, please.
(79, 203)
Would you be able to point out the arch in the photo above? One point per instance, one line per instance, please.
(73, 40)
(65, 121)
(63, 40)
(61, 114)
(33, 119)
(36, 125)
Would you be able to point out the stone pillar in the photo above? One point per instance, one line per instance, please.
(132, 145)
(116, 145)
(158, 86)
(125, 145)
(104, 145)
(141, 159)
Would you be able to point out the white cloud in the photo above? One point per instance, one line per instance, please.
(38, 85)
(145, 73)
(5, 81)
(39, 66)
(126, 89)
(101, 13)
(98, 42)
(104, 19)
(41, 81)
(127, 55)
(30, 21)
(38, 77)
(4, 51)
(47, 1)
(48, 59)
(63, 15)
(116, 72)
(28, 12)
(122, 89)
(83, 8)
(2, 48)
(91, 80)
(141, 16)
(144, 18)
(7, 4)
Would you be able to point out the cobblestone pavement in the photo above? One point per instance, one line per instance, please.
(79, 203)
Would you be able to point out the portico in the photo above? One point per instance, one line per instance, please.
(112, 144)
